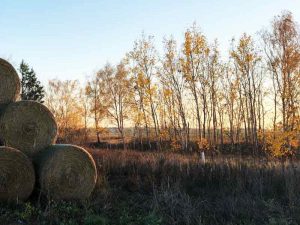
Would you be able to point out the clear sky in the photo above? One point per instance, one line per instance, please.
(71, 39)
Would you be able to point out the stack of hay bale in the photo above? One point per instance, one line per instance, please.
(28, 154)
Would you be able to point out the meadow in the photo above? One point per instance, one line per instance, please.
(168, 188)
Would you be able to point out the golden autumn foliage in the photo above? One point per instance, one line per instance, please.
(62, 100)
(189, 96)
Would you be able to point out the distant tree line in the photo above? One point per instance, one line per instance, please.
(251, 97)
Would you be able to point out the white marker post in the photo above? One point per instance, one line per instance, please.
(203, 157)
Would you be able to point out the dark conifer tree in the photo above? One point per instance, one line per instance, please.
(32, 89)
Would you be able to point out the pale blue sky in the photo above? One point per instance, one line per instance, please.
(71, 39)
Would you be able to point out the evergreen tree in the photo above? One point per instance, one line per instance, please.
(31, 87)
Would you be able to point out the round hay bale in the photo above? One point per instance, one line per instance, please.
(28, 126)
(17, 175)
(9, 83)
(66, 172)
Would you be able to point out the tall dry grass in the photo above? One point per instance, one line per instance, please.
(184, 190)
(152, 188)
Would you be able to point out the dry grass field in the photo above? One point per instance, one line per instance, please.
(151, 188)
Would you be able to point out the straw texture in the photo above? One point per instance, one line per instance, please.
(66, 172)
(28, 126)
(9, 83)
(17, 177)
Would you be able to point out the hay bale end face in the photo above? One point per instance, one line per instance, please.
(17, 177)
(28, 126)
(9, 83)
(66, 172)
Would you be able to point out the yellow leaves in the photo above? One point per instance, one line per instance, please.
(195, 49)
(281, 143)
(140, 81)
(167, 92)
(197, 55)
(164, 134)
(195, 43)
(170, 57)
(64, 103)
(175, 145)
(245, 41)
(200, 45)
(249, 58)
(207, 51)
(144, 55)
(203, 144)
(187, 43)
(185, 67)
(245, 54)
(233, 54)
(145, 87)
(136, 115)
(188, 77)
(151, 92)
(88, 89)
